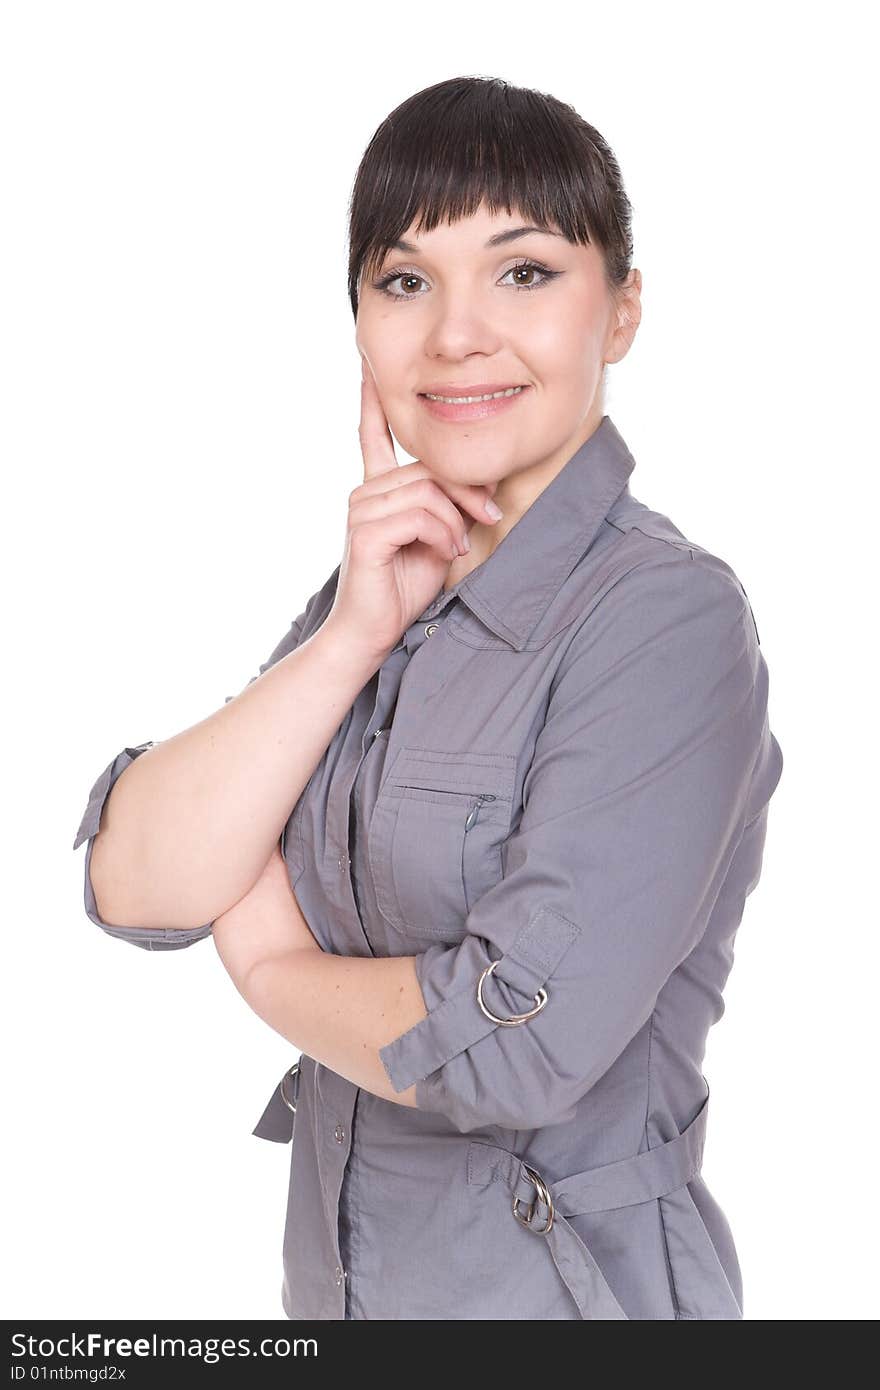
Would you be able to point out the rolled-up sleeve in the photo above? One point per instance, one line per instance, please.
(150, 938)
(633, 805)
(175, 938)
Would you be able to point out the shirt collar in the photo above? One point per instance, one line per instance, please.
(512, 589)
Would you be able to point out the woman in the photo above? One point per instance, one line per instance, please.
(519, 765)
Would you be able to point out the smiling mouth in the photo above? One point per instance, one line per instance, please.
(463, 399)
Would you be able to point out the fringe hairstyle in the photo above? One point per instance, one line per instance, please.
(471, 140)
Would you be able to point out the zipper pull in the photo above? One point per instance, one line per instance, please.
(472, 814)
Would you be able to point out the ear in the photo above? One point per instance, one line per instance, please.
(626, 317)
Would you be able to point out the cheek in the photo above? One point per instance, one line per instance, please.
(564, 350)
(378, 337)
(404, 418)
(566, 329)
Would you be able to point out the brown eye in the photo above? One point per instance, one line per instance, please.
(529, 268)
(408, 277)
(524, 270)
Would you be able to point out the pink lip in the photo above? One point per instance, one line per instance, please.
(476, 410)
(477, 388)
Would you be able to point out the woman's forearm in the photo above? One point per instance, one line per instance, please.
(340, 1010)
(267, 922)
(190, 824)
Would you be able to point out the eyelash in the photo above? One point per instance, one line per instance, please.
(393, 275)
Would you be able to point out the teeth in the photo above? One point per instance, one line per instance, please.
(470, 400)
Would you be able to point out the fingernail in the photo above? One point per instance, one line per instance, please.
(493, 510)
(465, 543)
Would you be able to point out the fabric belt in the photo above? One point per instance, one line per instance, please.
(542, 1207)
(276, 1121)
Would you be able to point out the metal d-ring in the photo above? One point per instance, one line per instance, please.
(540, 1001)
(542, 1191)
(294, 1072)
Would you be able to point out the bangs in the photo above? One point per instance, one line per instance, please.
(472, 142)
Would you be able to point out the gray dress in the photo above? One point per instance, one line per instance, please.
(554, 793)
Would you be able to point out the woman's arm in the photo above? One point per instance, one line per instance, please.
(339, 1010)
(189, 825)
(266, 923)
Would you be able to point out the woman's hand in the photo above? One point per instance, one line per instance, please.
(266, 922)
(404, 530)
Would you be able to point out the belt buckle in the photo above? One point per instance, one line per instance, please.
(542, 1191)
(294, 1072)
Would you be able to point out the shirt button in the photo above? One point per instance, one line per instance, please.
(340, 1274)
(432, 627)
(340, 1134)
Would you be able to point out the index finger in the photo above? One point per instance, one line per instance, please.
(377, 446)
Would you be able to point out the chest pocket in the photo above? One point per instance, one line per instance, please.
(435, 837)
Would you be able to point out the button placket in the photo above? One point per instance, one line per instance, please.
(347, 861)
(387, 675)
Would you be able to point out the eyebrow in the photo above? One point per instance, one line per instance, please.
(499, 239)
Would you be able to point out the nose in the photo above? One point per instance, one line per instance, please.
(462, 323)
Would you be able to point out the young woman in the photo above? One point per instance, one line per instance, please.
(518, 760)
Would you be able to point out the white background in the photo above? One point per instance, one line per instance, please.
(181, 396)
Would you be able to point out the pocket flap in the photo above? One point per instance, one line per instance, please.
(421, 772)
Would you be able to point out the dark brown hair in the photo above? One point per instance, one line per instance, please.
(472, 140)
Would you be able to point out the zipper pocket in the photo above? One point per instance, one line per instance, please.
(476, 800)
(474, 811)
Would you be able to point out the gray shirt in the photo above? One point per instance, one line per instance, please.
(554, 793)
